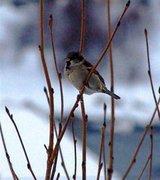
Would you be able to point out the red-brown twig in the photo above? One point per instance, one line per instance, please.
(83, 25)
(149, 159)
(21, 142)
(150, 72)
(50, 90)
(144, 168)
(111, 141)
(84, 138)
(84, 119)
(61, 154)
(56, 66)
(15, 177)
(75, 148)
(104, 151)
(87, 79)
(61, 89)
(100, 165)
(151, 153)
(133, 160)
(102, 148)
(62, 158)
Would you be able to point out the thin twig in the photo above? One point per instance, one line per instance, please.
(61, 154)
(61, 89)
(111, 141)
(53, 171)
(21, 142)
(101, 152)
(83, 25)
(104, 151)
(149, 159)
(75, 148)
(62, 161)
(15, 177)
(145, 166)
(133, 159)
(102, 147)
(50, 90)
(150, 73)
(84, 138)
(58, 176)
(87, 79)
(100, 165)
(56, 66)
(84, 120)
(151, 153)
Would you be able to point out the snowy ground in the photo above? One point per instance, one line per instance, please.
(34, 132)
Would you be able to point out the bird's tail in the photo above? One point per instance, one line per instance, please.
(105, 90)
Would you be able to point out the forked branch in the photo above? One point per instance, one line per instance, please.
(150, 73)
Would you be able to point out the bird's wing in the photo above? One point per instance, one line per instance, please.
(89, 67)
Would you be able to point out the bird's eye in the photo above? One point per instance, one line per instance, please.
(68, 63)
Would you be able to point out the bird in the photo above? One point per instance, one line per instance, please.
(76, 70)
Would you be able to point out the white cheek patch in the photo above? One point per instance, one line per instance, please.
(76, 62)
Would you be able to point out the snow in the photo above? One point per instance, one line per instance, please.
(34, 132)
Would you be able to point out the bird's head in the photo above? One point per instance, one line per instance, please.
(74, 58)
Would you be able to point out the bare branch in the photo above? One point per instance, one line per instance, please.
(56, 66)
(83, 25)
(151, 153)
(61, 154)
(15, 177)
(84, 138)
(21, 141)
(111, 147)
(144, 168)
(75, 148)
(104, 151)
(50, 90)
(133, 160)
(150, 73)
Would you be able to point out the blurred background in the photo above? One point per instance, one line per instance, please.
(22, 79)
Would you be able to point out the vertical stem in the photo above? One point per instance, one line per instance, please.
(104, 151)
(101, 152)
(83, 26)
(111, 141)
(84, 120)
(56, 67)
(102, 147)
(84, 138)
(50, 90)
(75, 148)
(60, 150)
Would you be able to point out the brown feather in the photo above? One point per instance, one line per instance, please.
(89, 67)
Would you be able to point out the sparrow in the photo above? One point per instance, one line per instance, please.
(76, 70)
